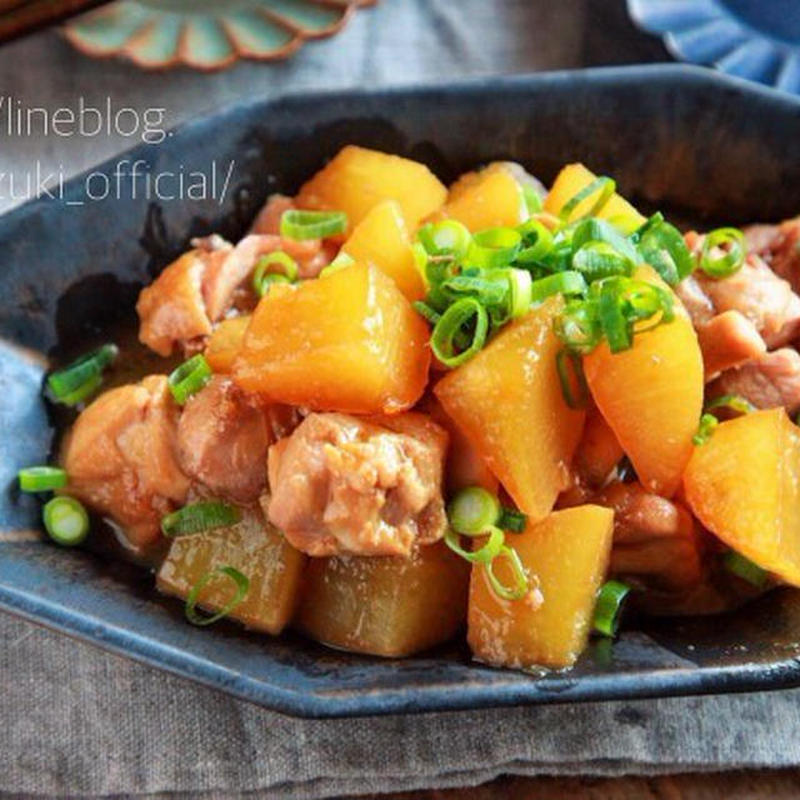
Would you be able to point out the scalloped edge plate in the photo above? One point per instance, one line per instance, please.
(196, 34)
(706, 32)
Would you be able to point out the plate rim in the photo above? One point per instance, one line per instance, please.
(667, 682)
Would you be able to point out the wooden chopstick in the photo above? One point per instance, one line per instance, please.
(18, 17)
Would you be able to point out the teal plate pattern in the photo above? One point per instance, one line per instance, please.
(205, 34)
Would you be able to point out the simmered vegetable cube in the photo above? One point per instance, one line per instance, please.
(652, 396)
(568, 554)
(743, 484)
(570, 181)
(487, 199)
(225, 342)
(382, 239)
(258, 551)
(357, 179)
(508, 401)
(385, 606)
(348, 342)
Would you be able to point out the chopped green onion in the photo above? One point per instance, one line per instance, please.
(189, 378)
(734, 402)
(451, 324)
(533, 200)
(263, 277)
(519, 587)
(573, 387)
(512, 520)
(41, 479)
(578, 327)
(66, 521)
(651, 222)
(484, 554)
(240, 581)
(599, 230)
(473, 511)
(663, 247)
(302, 225)
(199, 517)
(569, 283)
(596, 260)
(75, 382)
(620, 303)
(731, 240)
(537, 242)
(494, 247)
(489, 288)
(744, 568)
(448, 237)
(708, 424)
(609, 606)
(341, 261)
(615, 324)
(426, 312)
(520, 295)
(603, 187)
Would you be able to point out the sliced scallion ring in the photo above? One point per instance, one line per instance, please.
(241, 583)
(663, 247)
(41, 479)
(429, 314)
(75, 382)
(199, 517)
(512, 520)
(602, 186)
(568, 283)
(578, 326)
(600, 230)
(452, 323)
(265, 274)
(609, 606)
(494, 247)
(734, 402)
(302, 225)
(705, 430)
(744, 568)
(533, 200)
(574, 388)
(473, 511)
(731, 241)
(596, 260)
(189, 378)
(66, 521)
(448, 237)
(484, 554)
(520, 296)
(537, 242)
(519, 586)
(490, 288)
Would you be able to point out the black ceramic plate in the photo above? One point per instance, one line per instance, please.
(698, 145)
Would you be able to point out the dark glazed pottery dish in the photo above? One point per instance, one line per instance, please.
(702, 147)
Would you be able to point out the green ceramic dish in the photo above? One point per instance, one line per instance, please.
(205, 34)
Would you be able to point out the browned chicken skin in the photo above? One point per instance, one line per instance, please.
(655, 541)
(121, 458)
(770, 381)
(222, 441)
(340, 484)
(193, 293)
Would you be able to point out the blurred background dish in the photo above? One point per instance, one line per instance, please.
(205, 34)
(754, 39)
